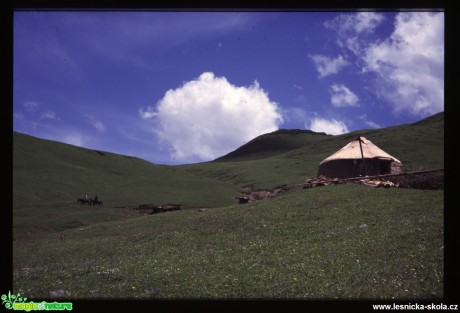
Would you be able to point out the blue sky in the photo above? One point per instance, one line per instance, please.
(185, 87)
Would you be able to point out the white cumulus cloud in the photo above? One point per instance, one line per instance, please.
(410, 63)
(341, 96)
(328, 126)
(361, 22)
(148, 114)
(208, 117)
(327, 66)
(354, 30)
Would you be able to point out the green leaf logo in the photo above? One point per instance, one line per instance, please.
(10, 299)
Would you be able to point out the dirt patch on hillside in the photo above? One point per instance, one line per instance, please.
(250, 195)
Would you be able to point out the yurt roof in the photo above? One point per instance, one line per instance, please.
(353, 151)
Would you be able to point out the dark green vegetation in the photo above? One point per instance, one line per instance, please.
(336, 241)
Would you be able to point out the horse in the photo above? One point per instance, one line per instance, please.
(83, 201)
(97, 202)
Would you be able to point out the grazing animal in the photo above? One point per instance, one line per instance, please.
(98, 202)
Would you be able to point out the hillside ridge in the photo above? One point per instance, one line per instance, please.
(286, 140)
(49, 176)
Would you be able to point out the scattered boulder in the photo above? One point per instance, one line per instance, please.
(378, 183)
(320, 181)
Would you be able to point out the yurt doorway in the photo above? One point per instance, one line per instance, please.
(384, 167)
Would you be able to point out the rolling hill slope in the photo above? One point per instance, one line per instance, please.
(59, 172)
(419, 146)
(271, 144)
(48, 176)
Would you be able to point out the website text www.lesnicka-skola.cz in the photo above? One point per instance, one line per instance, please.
(416, 306)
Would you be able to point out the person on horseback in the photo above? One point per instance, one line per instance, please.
(86, 197)
(95, 198)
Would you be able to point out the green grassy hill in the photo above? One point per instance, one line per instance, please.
(344, 241)
(418, 146)
(48, 177)
(271, 144)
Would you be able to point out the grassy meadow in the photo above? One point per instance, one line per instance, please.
(345, 241)
(333, 242)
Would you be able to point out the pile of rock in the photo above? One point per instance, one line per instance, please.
(320, 181)
(378, 183)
